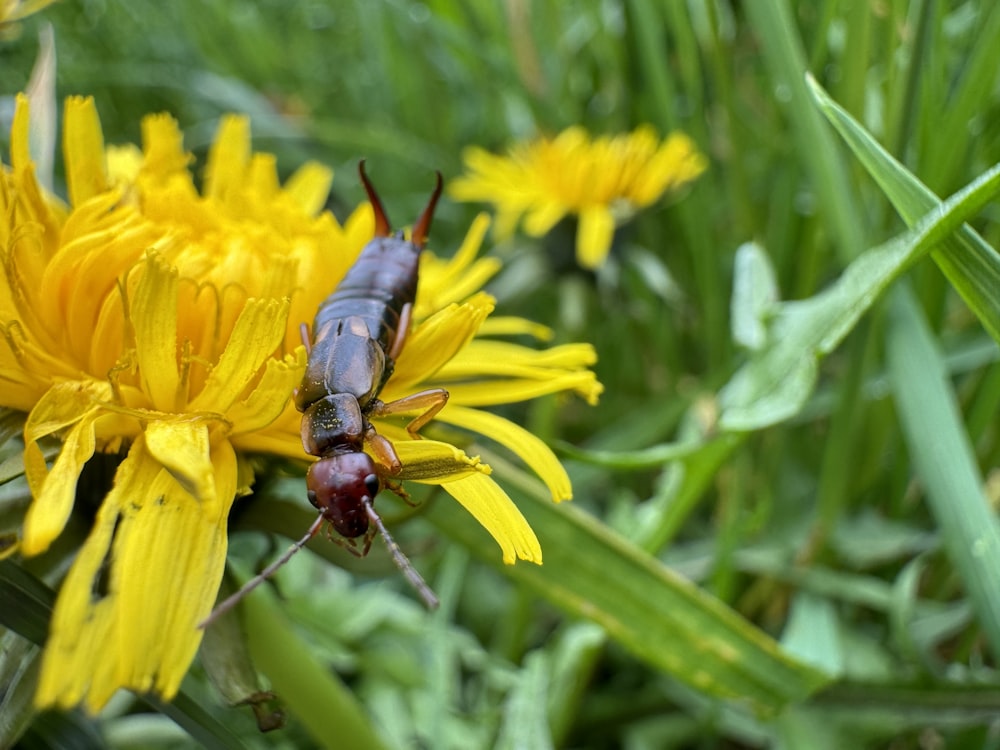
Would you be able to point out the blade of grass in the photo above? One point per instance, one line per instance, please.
(651, 54)
(782, 50)
(25, 603)
(325, 706)
(944, 460)
(969, 263)
(525, 724)
(650, 23)
(896, 708)
(954, 119)
(647, 458)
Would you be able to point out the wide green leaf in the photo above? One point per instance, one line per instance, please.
(775, 383)
(593, 573)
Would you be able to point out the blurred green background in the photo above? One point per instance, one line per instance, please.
(847, 513)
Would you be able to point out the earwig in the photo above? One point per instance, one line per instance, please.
(358, 333)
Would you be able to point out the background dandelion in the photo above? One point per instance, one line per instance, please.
(602, 180)
(769, 463)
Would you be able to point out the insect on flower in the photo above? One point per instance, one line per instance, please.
(149, 315)
(358, 333)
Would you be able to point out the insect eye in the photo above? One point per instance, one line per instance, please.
(372, 485)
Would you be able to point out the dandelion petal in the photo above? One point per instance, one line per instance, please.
(83, 144)
(269, 398)
(150, 535)
(593, 238)
(310, 186)
(64, 405)
(258, 331)
(436, 461)
(154, 315)
(526, 446)
(492, 508)
(436, 341)
(182, 449)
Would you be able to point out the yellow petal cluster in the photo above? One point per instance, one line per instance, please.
(602, 180)
(12, 11)
(159, 322)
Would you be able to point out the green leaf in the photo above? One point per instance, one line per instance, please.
(944, 459)
(637, 460)
(525, 725)
(19, 661)
(755, 296)
(662, 618)
(25, 603)
(886, 710)
(225, 657)
(194, 718)
(812, 633)
(312, 692)
(968, 262)
(775, 384)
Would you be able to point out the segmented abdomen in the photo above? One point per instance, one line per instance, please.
(377, 287)
(375, 290)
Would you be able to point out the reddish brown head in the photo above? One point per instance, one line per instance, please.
(339, 486)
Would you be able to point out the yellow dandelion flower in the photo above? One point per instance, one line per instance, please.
(12, 11)
(603, 180)
(158, 322)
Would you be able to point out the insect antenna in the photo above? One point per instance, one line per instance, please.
(257, 580)
(402, 562)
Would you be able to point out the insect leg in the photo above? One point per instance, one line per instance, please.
(306, 338)
(348, 544)
(397, 489)
(431, 401)
(370, 534)
(383, 451)
(401, 332)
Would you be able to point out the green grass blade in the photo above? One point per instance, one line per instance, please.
(193, 717)
(782, 50)
(320, 701)
(662, 618)
(973, 85)
(25, 603)
(944, 460)
(647, 458)
(775, 384)
(968, 262)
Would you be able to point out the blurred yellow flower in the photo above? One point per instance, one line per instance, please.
(12, 11)
(152, 321)
(604, 181)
